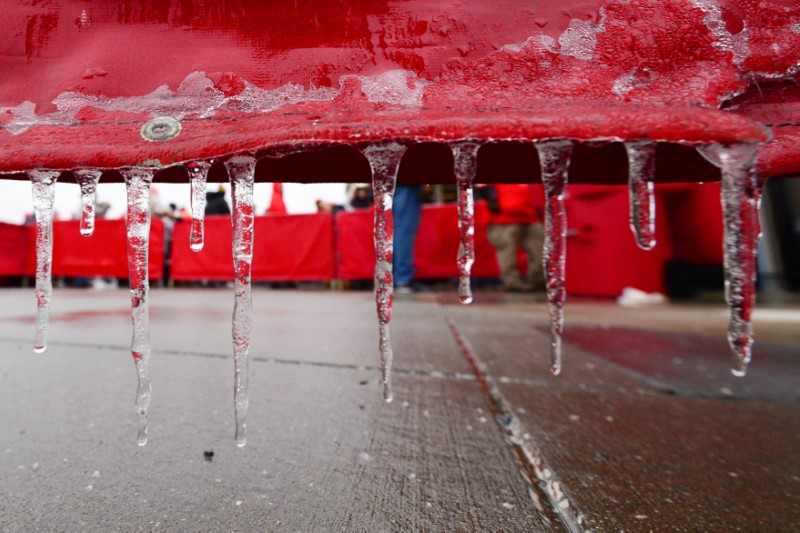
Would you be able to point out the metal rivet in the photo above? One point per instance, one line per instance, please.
(161, 129)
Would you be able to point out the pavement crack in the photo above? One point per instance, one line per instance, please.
(549, 494)
(429, 374)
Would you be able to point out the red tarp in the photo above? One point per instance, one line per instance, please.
(287, 248)
(14, 246)
(435, 250)
(102, 254)
(602, 257)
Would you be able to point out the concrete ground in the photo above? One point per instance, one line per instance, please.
(645, 430)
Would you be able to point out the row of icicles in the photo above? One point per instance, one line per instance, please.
(740, 199)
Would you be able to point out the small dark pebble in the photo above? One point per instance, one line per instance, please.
(361, 407)
(208, 455)
(364, 382)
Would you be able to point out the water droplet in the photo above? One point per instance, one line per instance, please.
(137, 181)
(554, 157)
(43, 184)
(241, 171)
(641, 174)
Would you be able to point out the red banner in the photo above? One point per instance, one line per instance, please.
(105, 253)
(436, 247)
(14, 247)
(286, 248)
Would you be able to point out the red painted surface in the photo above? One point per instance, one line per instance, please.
(249, 75)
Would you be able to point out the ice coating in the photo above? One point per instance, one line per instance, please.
(198, 172)
(384, 160)
(137, 182)
(241, 171)
(196, 96)
(87, 180)
(741, 196)
(641, 174)
(465, 156)
(43, 184)
(554, 157)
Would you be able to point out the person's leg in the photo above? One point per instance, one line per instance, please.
(406, 208)
(533, 243)
(504, 238)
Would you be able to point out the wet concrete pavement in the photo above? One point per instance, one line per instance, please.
(645, 430)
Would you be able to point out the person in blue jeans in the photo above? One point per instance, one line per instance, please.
(406, 208)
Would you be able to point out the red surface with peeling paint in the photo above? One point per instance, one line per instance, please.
(250, 75)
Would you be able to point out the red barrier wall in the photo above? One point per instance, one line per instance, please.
(104, 253)
(14, 248)
(435, 250)
(287, 248)
(602, 257)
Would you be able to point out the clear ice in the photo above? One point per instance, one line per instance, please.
(384, 160)
(741, 196)
(88, 179)
(641, 175)
(198, 172)
(137, 182)
(43, 184)
(241, 171)
(554, 157)
(465, 156)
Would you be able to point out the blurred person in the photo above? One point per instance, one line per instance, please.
(328, 207)
(216, 203)
(515, 222)
(276, 204)
(359, 195)
(406, 208)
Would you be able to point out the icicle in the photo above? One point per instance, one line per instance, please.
(198, 171)
(241, 171)
(137, 181)
(44, 187)
(88, 179)
(554, 157)
(384, 159)
(741, 196)
(641, 174)
(465, 155)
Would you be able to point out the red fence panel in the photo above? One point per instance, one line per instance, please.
(602, 255)
(102, 254)
(287, 248)
(435, 250)
(14, 243)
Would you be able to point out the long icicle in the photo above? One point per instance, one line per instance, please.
(741, 198)
(554, 157)
(87, 180)
(641, 176)
(43, 184)
(465, 157)
(137, 181)
(384, 159)
(198, 172)
(241, 171)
